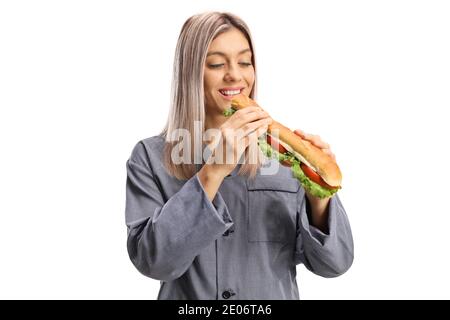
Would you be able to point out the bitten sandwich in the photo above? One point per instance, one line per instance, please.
(316, 170)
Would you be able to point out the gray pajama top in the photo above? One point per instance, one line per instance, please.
(245, 244)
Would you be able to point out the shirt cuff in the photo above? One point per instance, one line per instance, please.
(218, 205)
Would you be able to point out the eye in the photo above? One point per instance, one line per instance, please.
(245, 64)
(216, 65)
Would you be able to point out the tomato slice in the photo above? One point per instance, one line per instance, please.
(275, 144)
(315, 177)
(278, 147)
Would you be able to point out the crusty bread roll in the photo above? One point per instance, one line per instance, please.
(321, 162)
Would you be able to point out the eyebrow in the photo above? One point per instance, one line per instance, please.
(223, 54)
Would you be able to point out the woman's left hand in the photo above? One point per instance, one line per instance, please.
(317, 141)
(319, 212)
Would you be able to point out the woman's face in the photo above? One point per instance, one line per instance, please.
(228, 70)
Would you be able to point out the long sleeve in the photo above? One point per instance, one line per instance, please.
(165, 237)
(326, 255)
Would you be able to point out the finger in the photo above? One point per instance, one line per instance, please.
(314, 139)
(321, 144)
(243, 119)
(255, 125)
(307, 136)
(300, 133)
(258, 127)
(261, 130)
(317, 141)
(242, 112)
(253, 135)
(246, 110)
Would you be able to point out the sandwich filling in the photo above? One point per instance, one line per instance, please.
(296, 166)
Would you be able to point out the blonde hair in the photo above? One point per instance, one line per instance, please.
(187, 104)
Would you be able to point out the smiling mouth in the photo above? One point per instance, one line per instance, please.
(230, 93)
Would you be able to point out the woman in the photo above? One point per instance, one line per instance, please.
(219, 230)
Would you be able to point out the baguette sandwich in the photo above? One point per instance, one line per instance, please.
(318, 173)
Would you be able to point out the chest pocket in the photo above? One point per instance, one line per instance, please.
(272, 209)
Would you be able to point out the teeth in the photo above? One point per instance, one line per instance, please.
(230, 92)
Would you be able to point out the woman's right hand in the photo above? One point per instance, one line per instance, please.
(234, 136)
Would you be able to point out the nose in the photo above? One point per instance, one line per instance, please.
(233, 74)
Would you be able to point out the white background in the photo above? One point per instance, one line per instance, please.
(81, 82)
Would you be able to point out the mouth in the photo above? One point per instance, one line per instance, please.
(229, 93)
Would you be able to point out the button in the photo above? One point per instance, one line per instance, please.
(228, 293)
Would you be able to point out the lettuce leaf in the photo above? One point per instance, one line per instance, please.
(313, 188)
(229, 112)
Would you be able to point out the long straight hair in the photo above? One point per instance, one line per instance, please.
(187, 96)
